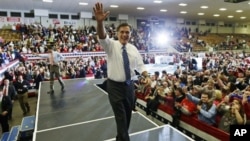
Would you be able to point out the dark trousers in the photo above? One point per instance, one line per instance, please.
(55, 72)
(10, 113)
(4, 123)
(121, 98)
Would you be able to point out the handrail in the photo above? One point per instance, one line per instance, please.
(87, 54)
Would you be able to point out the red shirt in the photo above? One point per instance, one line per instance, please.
(189, 105)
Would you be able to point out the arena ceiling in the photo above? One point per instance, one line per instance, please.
(230, 12)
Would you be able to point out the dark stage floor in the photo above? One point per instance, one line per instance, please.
(83, 113)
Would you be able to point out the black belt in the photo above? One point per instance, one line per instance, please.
(128, 82)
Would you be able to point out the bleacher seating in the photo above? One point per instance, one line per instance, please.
(9, 35)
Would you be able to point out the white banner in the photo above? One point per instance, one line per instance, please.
(2, 19)
(69, 22)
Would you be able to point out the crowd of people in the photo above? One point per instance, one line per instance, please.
(218, 94)
(221, 89)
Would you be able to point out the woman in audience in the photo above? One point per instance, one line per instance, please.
(144, 83)
(153, 83)
(152, 100)
(235, 116)
(217, 97)
(246, 106)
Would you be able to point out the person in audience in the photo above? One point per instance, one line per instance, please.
(153, 100)
(168, 98)
(205, 107)
(179, 95)
(246, 106)
(120, 70)
(46, 74)
(163, 75)
(197, 91)
(37, 79)
(223, 106)
(198, 80)
(153, 83)
(21, 87)
(144, 83)
(98, 73)
(235, 116)
(217, 97)
(10, 91)
(1, 57)
(178, 72)
(5, 106)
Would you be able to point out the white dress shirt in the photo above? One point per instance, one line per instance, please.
(57, 57)
(113, 49)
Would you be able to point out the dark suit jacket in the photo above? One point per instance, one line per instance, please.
(6, 104)
(12, 92)
(37, 80)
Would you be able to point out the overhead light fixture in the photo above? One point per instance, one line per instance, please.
(50, 1)
(182, 4)
(230, 16)
(222, 9)
(239, 11)
(183, 12)
(157, 1)
(201, 14)
(140, 8)
(163, 10)
(216, 15)
(114, 6)
(83, 3)
(243, 17)
(204, 7)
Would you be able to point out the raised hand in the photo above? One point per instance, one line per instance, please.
(100, 15)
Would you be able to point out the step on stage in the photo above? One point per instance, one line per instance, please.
(83, 113)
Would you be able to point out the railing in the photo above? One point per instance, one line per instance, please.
(89, 54)
(5, 67)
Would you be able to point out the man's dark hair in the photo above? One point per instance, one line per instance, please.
(122, 25)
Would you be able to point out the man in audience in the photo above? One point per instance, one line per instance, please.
(5, 106)
(10, 91)
(22, 86)
(206, 108)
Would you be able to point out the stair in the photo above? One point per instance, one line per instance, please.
(13, 136)
(23, 132)
(27, 128)
(5, 136)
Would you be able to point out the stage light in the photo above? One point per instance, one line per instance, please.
(162, 39)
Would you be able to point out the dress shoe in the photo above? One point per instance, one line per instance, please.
(135, 110)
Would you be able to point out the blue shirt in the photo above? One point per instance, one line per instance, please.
(207, 116)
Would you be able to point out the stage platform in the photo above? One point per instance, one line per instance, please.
(83, 113)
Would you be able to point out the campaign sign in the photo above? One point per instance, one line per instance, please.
(239, 132)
